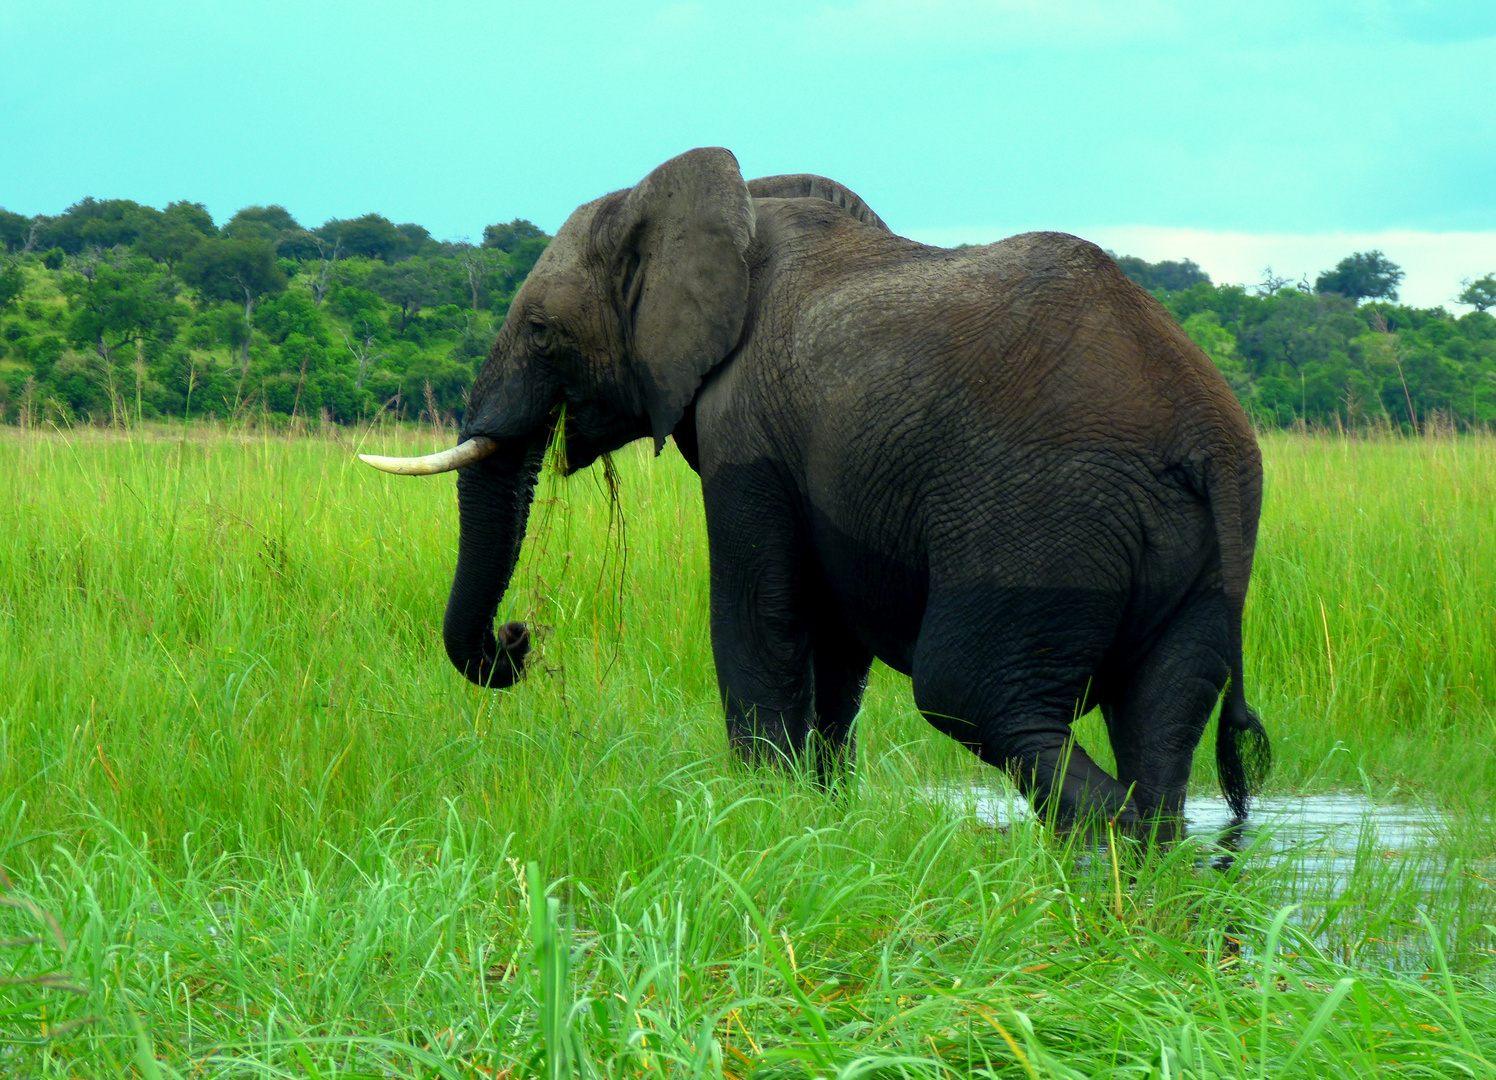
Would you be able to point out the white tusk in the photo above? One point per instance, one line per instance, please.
(475, 449)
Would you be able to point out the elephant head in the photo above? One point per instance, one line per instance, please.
(641, 293)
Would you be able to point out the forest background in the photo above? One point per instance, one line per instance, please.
(112, 310)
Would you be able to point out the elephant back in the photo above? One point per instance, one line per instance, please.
(811, 186)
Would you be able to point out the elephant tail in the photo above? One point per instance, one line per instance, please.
(1244, 754)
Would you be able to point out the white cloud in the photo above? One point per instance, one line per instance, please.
(1433, 261)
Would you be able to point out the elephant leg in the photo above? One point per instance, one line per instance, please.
(1160, 708)
(841, 667)
(1005, 671)
(761, 639)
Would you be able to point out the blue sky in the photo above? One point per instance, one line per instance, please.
(1154, 121)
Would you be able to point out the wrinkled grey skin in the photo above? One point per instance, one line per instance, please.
(1002, 470)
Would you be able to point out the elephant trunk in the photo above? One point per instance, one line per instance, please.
(493, 500)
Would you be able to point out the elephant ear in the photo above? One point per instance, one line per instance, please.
(682, 277)
(811, 186)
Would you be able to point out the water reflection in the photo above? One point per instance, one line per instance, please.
(1317, 817)
(1324, 835)
(1330, 832)
(1361, 873)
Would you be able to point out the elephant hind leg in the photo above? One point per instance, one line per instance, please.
(841, 667)
(1159, 709)
(1004, 671)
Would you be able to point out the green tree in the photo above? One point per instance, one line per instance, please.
(238, 270)
(14, 230)
(1218, 343)
(372, 236)
(321, 253)
(302, 354)
(300, 244)
(291, 393)
(261, 223)
(362, 351)
(12, 284)
(508, 237)
(409, 285)
(474, 339)
(1288, 332)
(343, 397)
(192, 214)
(1362, 275)
(438, 382)
(476, 267)
(219, 325)
(168, 239)
(363, 309)
(1167, 275)
(1480, 293)
(522, 260)
(290, 313)
(122, 305)
(91, 223)
(419, 241)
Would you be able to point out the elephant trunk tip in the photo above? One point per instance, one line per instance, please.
(499, 660)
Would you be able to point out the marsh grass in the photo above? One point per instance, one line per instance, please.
(280, 837)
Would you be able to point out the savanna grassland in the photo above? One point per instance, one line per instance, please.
(281, 837)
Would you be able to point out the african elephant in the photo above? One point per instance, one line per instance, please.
(1003, 470)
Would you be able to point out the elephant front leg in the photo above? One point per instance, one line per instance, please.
(761, 639)
(764, 676)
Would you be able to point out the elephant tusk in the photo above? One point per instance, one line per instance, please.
(475, 449)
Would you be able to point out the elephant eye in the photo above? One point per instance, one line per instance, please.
(539, 330)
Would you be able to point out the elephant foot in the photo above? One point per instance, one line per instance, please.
(1064, 785)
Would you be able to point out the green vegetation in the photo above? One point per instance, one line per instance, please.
(1480, 293)
(1316, 356)
(283, 838)
(113, 310)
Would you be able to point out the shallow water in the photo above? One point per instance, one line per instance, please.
(1335, 818)
(1322, 836)
(1359, 872)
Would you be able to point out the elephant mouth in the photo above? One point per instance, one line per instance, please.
(577, 434)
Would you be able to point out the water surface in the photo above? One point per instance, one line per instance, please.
(1324, 836)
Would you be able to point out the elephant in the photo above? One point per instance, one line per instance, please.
(1005, 471)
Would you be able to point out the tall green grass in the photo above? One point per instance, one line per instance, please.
(1372, 622)
(281, 837)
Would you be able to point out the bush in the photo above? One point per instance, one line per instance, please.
(346, 402)
(292, 395)
(291, 312)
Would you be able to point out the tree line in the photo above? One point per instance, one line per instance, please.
(114, 310)
(1340, 352)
